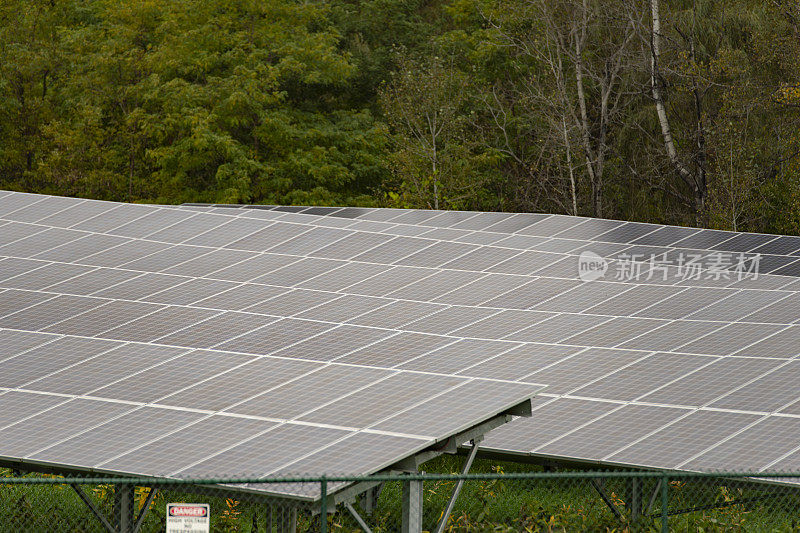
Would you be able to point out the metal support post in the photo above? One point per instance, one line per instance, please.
(369, 499)
(323, 505)
(459, 485)
(268, 519)
(664, 503)
(635, 490)
(124, 508)
(286, 520)
(412, 506)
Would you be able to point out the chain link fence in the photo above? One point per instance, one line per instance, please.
(491, 499)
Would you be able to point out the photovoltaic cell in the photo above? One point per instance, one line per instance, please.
(532, 293)
(446, 410)
(671, 335)
(343, 276)
(225, 326)
(102, 443)
(389, 281)
(396, 314)
(671, 446)
(396, 350)
(335, 343)
(254, 268)
(296, 273)
(382, 400)
(190, 291)
(180, 448)
(768, 393)
(94, 372)
(614, 332)
(16, 405)
(75, 251)
(44, 314)
(126, 252)
(485, 288)
(573, 372)
(642, 376)
(285, 443)
(12, 301)
(110, 314)
(150, 223)
(308, 392)
(15, 342)
(458, 356)
(521, 361)
(613, 431)
(241, 296)
(502, 324)
(240, 383)
(158, 324)
(344, 308)
(548, 422)
(448, 320)
(45, 276)
(730, 339)
(275, 336)
(557, 328)
(174, 374)
(698, 388)
(292, 302)
(58, 423)
(754, 448)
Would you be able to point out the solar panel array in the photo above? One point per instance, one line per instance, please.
(170, 327)
(118, 355)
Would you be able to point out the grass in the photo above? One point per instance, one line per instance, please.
(484, 506)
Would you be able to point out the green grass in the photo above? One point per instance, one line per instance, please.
(504, 505)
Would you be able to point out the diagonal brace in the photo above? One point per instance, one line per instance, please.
(137, 525)
(449, 509)
(656, 492)
(92, 507)
(358, 518)
(605, 498)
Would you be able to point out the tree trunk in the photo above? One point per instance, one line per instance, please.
(696, 182)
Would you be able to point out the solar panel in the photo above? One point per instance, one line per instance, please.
(328, 328)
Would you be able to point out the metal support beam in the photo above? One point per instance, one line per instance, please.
(412, 506)
(653, 496)
(635, 494)
(268, 519)
(369, 499)
(124, 508)
(286, 520)
(605, 498)
(358, 518)
(145, 509)
(459, 484)
(92, 507)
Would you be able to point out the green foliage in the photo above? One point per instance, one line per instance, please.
(327, 102)
(187, 101)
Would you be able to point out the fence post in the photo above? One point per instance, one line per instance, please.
(664, 503)
(323, 505)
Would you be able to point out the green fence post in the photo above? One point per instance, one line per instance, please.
(664, 503)
(323, 505)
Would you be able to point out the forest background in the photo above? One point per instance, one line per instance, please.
(671, 111)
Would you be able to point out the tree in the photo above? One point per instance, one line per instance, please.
(433, 159)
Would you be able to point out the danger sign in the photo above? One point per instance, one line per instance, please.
(188, 517)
